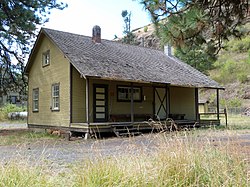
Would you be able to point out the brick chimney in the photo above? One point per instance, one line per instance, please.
(96, 34)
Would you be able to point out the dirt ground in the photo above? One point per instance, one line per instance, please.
(61, 152)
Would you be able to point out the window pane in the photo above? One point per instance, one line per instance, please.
(100, 90)
(55, 96)
(46, 58)
(100, 109)
(124, 93)
(100, 116)
(100, 103)
(35, 99)
(100, 96)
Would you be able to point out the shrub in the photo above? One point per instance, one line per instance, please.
(10, 108)
(235, 102)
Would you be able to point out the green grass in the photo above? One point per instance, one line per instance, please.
(237, 122)
(24, 137)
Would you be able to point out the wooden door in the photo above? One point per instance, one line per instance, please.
(160, 102)
(100, 103)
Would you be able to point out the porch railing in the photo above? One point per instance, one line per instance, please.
(209, 116)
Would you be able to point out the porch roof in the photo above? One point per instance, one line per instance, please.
(117, 61)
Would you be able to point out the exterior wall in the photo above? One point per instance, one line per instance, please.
(78, 97)
(43, 77)
(182, 101)
(116, 107)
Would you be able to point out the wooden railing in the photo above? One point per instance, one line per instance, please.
(217, 114)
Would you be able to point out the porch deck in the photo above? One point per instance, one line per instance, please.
(141, 126)
(130, 127)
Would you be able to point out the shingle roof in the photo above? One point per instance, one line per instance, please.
(117, 61)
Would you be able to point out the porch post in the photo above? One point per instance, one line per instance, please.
(154, 102)
(218, 105)
(196, 97)
(87, 100)
(167, 100)
(132, 103)
(71, 93)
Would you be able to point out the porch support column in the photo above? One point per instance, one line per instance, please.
(132, 103)
(154, 112)
(196, 98)
(218, 104)
(167, 100)
(71, 93)
(87, 100)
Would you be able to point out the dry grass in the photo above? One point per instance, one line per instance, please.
(175, 159)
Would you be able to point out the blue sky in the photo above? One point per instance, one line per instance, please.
(82, 15)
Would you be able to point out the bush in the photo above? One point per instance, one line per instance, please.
(10, 108)
(234, 102)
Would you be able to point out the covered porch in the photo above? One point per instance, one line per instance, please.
(101, 105)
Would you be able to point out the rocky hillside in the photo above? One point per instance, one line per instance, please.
(232, 69)
(145, 36)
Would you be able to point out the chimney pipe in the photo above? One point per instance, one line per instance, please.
(96, 34)
(168, 50)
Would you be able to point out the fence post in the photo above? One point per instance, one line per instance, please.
(225, 112)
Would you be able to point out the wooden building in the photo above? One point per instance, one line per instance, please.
(90, 84)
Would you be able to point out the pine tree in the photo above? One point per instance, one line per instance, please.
(18, 22)
(197, 26)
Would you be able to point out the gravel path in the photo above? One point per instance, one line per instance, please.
(14, 125)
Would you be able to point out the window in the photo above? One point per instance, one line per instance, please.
(46, 58)
(124, 93)
(13, 99)
(35, 100)
(55, 96)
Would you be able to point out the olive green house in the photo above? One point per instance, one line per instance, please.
(88, 84)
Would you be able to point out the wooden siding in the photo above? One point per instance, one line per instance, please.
(78, 97)
(43, 77)
(182, 101)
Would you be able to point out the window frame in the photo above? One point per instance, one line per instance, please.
(46, 58)
(53, 97)
(34, 100)
(129, 93)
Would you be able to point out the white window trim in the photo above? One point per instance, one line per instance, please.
(46, 58)
(35, 100)
(53, 97)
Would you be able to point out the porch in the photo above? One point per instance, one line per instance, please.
(99, 105)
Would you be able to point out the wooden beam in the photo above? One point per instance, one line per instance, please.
(132, 103)
(196, 98)
(87, 100)
(167, 101)
(218, 104)
(71, 92)
(154, 102)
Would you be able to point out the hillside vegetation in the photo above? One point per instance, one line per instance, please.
(232, 70)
